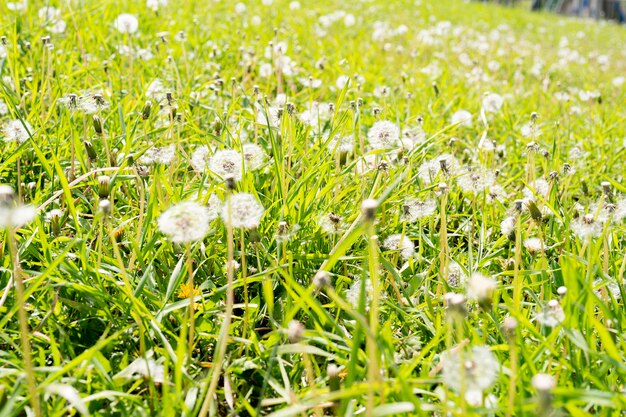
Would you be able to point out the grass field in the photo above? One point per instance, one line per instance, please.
(275, 208)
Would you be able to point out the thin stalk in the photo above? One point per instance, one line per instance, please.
(24, 330)
(373, 369)
(220, 349)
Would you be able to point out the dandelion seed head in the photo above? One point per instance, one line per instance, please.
(551, 315)
(462, 118)
(185, 222)
(330, 223)
(543, 382)
(153, 156)
(413, 210)
(126, 23)
(476, 367)
(17, 131)
(246, 211)
(492, 102)
(254, 156)
(384, 135)
(534, 245)
(400, 243)
(585, 227)
(341, 145)
(353, 294)
(481, 288)
(227, 163)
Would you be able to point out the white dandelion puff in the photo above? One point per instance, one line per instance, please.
(185, 222)
(476, 368)
(17, 131)
(126, 23)
(245, 211)
(227, 163)
(254, 156)
(414, 210)
(399, 242)
(384, 135)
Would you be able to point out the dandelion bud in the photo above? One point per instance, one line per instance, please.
(452, 142)
(519, 205)
(353, 104)
(91, 151)
(295, 331)
(104, 186)
(545, 153)
(443, 188)
(97, 125)
(554, 176)
(169, 97)
(606, 188)
(105, 206)
(443, 164)
(321, 280)
(376, 111)
(509, 325)
(334, 382)
(231, 184)
(3, 40)
(535, 213)
(291, 108)
(359, 102)
(55, 221)
(147, 109)
(32, 186)
(533, 117)
(368, 207)
(583, 185)
(256, 90)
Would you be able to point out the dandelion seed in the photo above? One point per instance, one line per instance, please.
(330, 223)
(253, 155)
(227, 163)
(585, 227)
(534, 245)
(462, 118)
(163, 156)
(17, 131)
(126, 23)
(246, 211)
(353, 295)
(185, 222)
(492, 102)
(456, 275)
(481, 289)
(200, 158)
(507, 227)
(384, 135)
(477, 369)
(552, 315)
(414, 210)
(400, 243)
(11, 214)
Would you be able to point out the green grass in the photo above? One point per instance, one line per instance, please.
(103, 290)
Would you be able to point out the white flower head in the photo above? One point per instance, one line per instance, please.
(481, 288)
(492, 102)
(534, 245)
(200, 158)
(400, 243)
(330, 223)
(245, 211)
(552, 315)
(476, 368)
(185, 222)
(163, 156)
(155, 4)
(17, 131)
(585, 227)
(414, 210)
(384, 135)
(353, 294)
(227, 163)
(462, 118)
(126, 23)
(254, 156)
(340, 145)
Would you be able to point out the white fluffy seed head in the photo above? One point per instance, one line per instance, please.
(17, 131)
(227, 163)
(384, 135)
(185, 222)
(477, 368)
(543, 382)
(245, 211)
(126, 23)
(400, 243)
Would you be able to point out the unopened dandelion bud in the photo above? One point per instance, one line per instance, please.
(334, 382)
(535, 213)
(32, 186)
(295, 331)
(443, 164)
(518, 205)
(104, 186)
(91, 151)
(321, 280)
(3, 40)
(368, 208)
(55, 221)
(256, 90)
(509, 325)
(544, 152)
(231, 183)
(147, 109)
(606, 188)
(452, 142)
(583, 185)
(169, 97)
(105, 206)
(353, 104)
(435, 88)
(291, 108)
(97, 125)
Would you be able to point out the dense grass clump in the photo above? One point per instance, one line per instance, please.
(307, 209)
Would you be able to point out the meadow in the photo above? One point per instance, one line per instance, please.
(296, 208)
